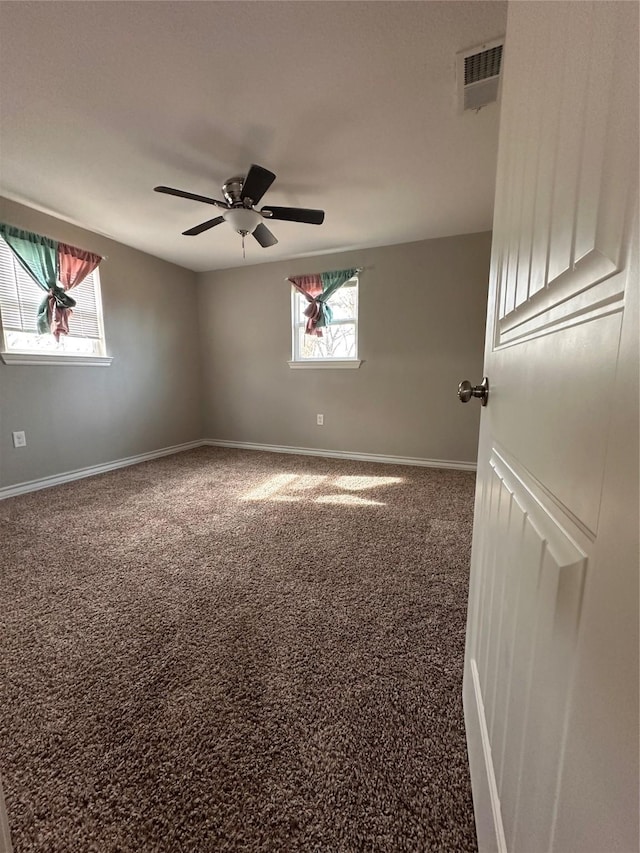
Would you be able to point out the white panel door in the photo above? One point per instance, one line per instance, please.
(551, 668)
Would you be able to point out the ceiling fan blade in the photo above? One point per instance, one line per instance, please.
(264, 236)
(294, 214)
(192, 196)
(204, 226)
(256, 183)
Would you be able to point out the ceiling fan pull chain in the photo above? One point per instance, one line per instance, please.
(243, 254)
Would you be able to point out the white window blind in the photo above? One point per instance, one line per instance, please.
(20, 298)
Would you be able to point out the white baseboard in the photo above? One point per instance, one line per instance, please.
(5, 835)
(486, 801)
(344, 454)
(90, 471)
(80, 473)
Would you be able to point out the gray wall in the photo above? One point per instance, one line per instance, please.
(421, 330)
(422, 311)
(149, 398)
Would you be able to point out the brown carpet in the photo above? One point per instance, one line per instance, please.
(229, 650)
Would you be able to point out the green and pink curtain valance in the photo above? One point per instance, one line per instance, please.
(318, 288)
(56, 268)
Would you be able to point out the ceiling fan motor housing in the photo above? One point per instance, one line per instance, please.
(241, 217)
(232, 189)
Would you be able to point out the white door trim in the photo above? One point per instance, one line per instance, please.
(490, 832)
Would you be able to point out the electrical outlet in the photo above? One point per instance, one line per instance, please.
(320, 420)
(19, 439)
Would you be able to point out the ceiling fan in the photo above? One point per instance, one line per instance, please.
(242, 194)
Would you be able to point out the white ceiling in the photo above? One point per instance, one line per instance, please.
(351, 104)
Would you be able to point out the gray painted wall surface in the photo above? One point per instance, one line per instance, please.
(149, 398)
(421, 330)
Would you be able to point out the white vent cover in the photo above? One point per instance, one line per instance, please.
(478, 72)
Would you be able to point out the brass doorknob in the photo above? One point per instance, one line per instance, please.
(466, 391)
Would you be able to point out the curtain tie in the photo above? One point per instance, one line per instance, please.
(53, 315)
(62, 299)
(313, 313)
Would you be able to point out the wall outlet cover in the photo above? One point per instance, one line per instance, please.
(19, 439)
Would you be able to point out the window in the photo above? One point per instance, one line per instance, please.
(20, 297)
(339, 341)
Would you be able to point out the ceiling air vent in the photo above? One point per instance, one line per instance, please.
(479, 75)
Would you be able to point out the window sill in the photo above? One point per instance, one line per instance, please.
(42, 359)
(348, 364)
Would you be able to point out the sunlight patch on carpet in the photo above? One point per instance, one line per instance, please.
(347, 500)
(355, 484)
(280, 487)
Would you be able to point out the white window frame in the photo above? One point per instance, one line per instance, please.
(57, 355)
(297, 360)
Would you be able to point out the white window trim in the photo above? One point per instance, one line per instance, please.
(324, 363)
(342, 363)
(13, 357)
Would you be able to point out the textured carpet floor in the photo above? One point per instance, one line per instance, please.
(229, 650)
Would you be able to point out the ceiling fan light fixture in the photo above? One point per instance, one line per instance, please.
(242, 219)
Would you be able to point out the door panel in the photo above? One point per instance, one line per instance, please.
(562, 298)
(532, 587)
(562, 214)
(561, 383)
